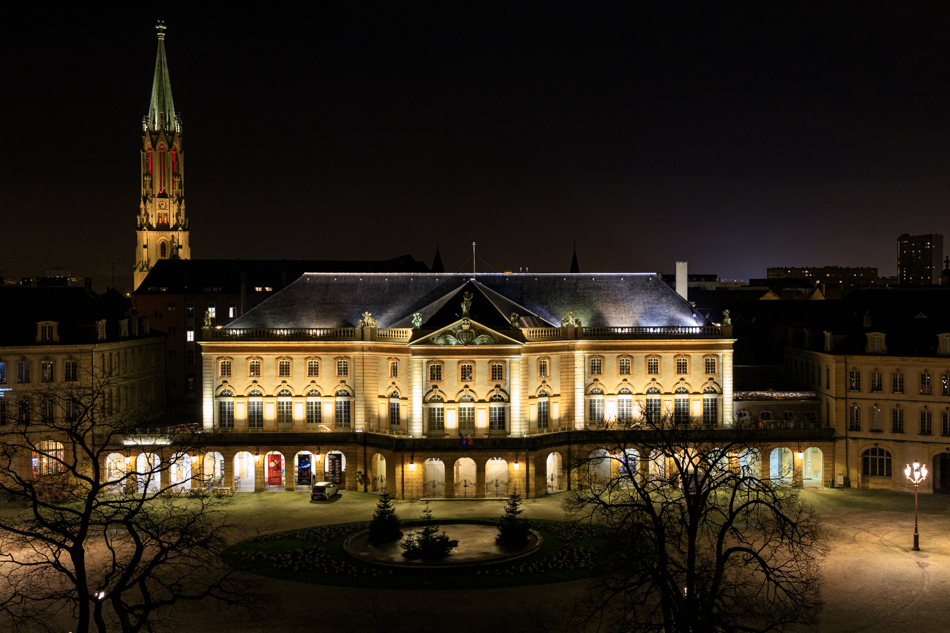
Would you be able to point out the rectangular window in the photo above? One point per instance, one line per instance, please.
(544, 415)
(625, 409)
(285, 413)
(926, 386)
(543, 368)
(254, 368)
(466, 372)
(342, 368)
(624, 367)
(190, 310)
(190, 384)
(710, 365)
(682, 366)
(225, 368)
(226, 414)
(393, 415)
(654, 410)
(394, 369)
(211, 310)
(877, 381)
(23, 371)
(945, 427)
(232, 310)
(342, 414)
(435, 371)
(897, 382)
(876, 344)
(46, 411)
(497, 372)
(681, 409)
(653, 366)
(467, 419)
(596, 367)
(24, 412)
(283, 369)
(190, 334)
(70, 370)
(46, 371)
(69, 409)
(255, 414)
(46, 332)
(313, 369)
(897, 420)
(3, 411)
(436, 418)
(854, 380)
(945, 384)
(171, 306)
(173, 353)
(3, 373)
(877, 419)
(854, 419)
(710, 410)
(827, 377)
(314, 413)
(496, 417)
(926, 422)
(595, 410)
(191, 357)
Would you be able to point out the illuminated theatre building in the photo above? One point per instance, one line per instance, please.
(374, 380)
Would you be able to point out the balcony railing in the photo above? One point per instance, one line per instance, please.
(294, 334)
(657, 330)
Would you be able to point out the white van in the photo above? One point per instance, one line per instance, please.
(323, 490)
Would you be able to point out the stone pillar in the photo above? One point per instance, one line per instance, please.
(539, 478)
(416, 386)
(393, 484)
(352, 465)
(290, 472)
(579, 374)
(518, 425)
(207, 387)
(166, 470)
(727, 403)
(449, 478)
(260, 471)
(566, 389)
(798, 470)
(481, 475)
(765, 457)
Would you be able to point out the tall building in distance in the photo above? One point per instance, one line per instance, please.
(162, 225)
(919, 259)
(857, 275)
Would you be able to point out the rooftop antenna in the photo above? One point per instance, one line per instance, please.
(473, 258)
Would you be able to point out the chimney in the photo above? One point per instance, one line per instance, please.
(681, 280)
(88, 284)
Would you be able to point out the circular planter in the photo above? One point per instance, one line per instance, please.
(476, 547)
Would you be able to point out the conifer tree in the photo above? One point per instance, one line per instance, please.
(384, 527)
(512, 530)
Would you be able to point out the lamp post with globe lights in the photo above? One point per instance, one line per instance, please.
(915, 473)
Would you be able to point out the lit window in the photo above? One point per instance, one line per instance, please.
(435, 371)
(342, 368)
(497, 372)
(313, 368)
(543, 368)
(710, 365)
(624, 367)
(466, 372)
(211, 310)
(394, 369)
(46, 371)
(596, 367)
(653, 366)
(190, 334)
(682, 366)
(232, 310)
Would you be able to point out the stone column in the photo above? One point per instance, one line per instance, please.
(449, 478)
(207, 388)
(579, 374)
(480, 477)
(416, 386)
(518, 425)
(290, 472)
(539, 475)
(727, 404)
(260, 471)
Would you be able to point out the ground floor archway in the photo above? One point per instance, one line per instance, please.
(599, 470)
(812, 467)
(148, 472)
(465, 474)
(244, 472)
(378, 482)
(434, 483)
(629, 468)
(335, 468)
(305, 468)
(781, 466)
(212, 470)
(496, 478)
(274, 471)
(750, 464)
(553, 472)
(115, 471)
(180, 471)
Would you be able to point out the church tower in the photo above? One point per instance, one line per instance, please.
(162, 224)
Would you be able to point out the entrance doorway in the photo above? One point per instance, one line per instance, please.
(274, 465)
(781, 466)
(465, 477)
(243, 472)
(303, 476)
(496, 478)
(378, 485)
(434, 485)
(553, 472)
(942, 473)
(336, 468)
(812, 467)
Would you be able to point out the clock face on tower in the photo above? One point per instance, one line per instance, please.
(163, 204)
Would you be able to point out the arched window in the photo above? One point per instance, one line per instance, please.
(595, 406)
(255, 409)
(48, 458)
(765, 416)
(710, 406)
(394, 410)
(342, 418)
(226, 409)
(161, 170)
(876, 462)
(744, 416)
(544, 410)
(285, 410)
(654, 411)
(436, 414)
(625, 405)
(496, 411)
(466, 414)
(314, 411)
(163, 250)
(681, 405)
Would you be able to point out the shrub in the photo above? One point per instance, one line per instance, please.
(428, 544)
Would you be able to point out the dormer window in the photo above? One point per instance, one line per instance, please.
(943, 344)
(876, 343)
(47, 331)
(829, 346)
(101, 330)
(124, 328)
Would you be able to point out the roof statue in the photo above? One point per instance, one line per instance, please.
(417, 320)
(569, 320)
(726, 319)
(464, 334)
(466, 303)
(515, 321)
(207, 320)
(368, 321)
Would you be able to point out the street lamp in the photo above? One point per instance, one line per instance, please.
(916, 474)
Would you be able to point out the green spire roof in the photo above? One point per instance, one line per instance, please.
(161, 110)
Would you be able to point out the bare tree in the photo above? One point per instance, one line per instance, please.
(699, 541)
(97, 538)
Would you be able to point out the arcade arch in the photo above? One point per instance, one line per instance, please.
(212, 469)
(781, 465)
(148, 472)
(553, 472)
(244, 472)
(496, 478)
(465, 476)
(434, 482)
(378, 483)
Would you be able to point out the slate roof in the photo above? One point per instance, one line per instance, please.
(75, 309)
(598, 299)
(193, 276)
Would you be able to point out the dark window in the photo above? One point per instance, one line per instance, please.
(876, 462)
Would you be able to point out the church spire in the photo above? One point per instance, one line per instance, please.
(437, 266)
(574, 267)
(161, 110)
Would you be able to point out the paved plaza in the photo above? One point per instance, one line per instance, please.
(873, 580)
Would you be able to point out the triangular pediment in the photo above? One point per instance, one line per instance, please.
(465, 333)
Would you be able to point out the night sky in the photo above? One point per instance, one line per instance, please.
(761, 135)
